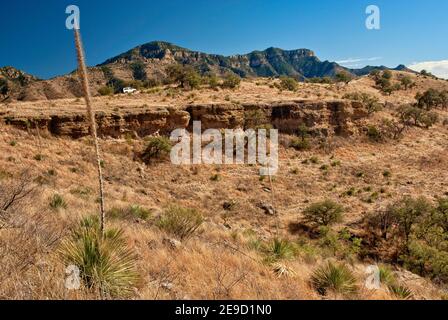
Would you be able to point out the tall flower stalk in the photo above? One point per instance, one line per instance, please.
(82, 69)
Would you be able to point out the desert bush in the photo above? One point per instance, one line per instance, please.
(323, 80)
(180, 222)
(211, 80)
(57, 202)
(106, 91)
(13, 192)
(303, 142)
(406, 82)
(336, 278)
(151, 83)
(106, 263)
(324, 213)
(374, 134)
(117, 84)
(387, 74)
(288, 83)
(300, 145)
(132, 211)
(157, 148)
(370, 102)
(428, 119)
(231, 81)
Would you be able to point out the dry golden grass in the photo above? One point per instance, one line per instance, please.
(219, 261)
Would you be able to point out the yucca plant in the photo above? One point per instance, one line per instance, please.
(336, 278)
(82, 70)
(401, 291)
(279, 249)
(386, 275)
(107, 265)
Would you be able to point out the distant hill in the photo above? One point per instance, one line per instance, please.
(154, 57)
(272, 62)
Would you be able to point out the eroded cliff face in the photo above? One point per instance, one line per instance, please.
(326, 118)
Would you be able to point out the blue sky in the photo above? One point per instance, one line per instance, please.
(34, 38)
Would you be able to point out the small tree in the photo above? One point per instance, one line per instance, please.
(324, 213)
(431, 98)
(186, 76)
(408, 212)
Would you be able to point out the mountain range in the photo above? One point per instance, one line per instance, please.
(155, 56)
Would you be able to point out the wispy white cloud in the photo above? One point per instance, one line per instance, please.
(357, 60)
(437, 68)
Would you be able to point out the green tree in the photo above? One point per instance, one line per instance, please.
(186, 76)
(407, 213)
(138, 71)
(343, 76)
(431, 98)
(4, 88)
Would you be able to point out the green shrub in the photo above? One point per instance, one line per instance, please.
(370, 102)
(181, 222)
(231, 81)
(106, 91)
(132, 211)
(157, 148)
(406, 82)
(106, 264)
(336, 278)
(300, 144)
(428, 119)
(374, 134)
(57, 202)
(324, 213)
(288, 83)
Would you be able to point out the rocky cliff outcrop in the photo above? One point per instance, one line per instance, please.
(322, 117)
